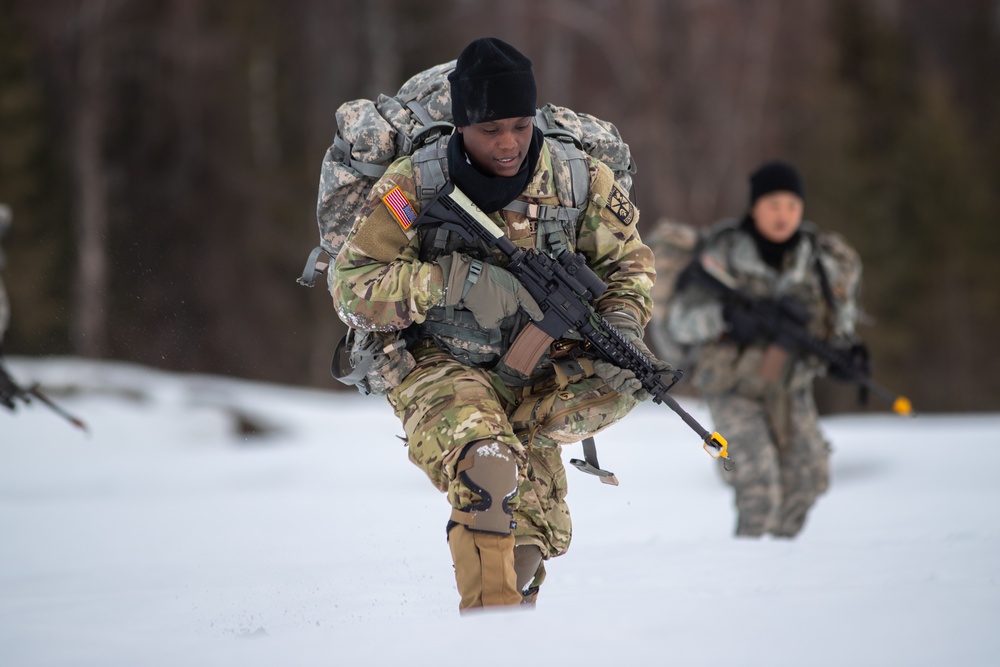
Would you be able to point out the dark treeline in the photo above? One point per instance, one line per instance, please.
(161, 157)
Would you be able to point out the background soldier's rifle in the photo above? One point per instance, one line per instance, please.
(788, 326)
(11, 391)
(565, 288)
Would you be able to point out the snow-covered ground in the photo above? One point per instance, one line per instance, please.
(170, 536)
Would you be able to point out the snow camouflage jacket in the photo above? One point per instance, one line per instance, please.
(696, 316)
(382, 281)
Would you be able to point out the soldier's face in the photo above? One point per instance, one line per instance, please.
(498, 147)
(777, 216)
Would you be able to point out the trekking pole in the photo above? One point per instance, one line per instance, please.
(75, 421)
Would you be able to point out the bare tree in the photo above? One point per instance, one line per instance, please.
(90, 303)
(382, 47)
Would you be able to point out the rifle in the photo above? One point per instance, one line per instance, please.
(790, 328)
(564, 288)
(11, 390)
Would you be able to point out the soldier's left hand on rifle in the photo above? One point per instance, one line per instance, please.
(620, 379)
(855, 362)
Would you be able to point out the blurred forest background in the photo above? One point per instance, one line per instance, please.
(161, 157)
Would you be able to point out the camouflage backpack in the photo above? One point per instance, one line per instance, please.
(674, 246)
(371, 135)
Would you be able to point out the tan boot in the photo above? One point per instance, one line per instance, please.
(484, 568)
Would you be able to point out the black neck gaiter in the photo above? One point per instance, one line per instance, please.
(490, 193)
(772, 253)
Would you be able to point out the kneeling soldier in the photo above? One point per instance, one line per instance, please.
(487, 436)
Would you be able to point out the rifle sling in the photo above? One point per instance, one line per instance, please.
(590, 465)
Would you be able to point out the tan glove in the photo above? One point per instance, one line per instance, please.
(491, 293)
(623, 380)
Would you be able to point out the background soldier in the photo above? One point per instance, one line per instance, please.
(758, 386)
(488, 438)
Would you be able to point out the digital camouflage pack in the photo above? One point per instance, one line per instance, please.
(371, 135)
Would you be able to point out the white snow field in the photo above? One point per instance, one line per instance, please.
(168, 537)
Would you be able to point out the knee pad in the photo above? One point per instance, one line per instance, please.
(489, 468)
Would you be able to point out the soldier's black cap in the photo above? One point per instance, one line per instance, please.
(492, 80)
(775, 176)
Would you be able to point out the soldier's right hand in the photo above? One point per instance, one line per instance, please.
(741, 325)
(489, 292)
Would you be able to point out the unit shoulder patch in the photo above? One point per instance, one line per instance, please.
(400, 207)
(621, 205)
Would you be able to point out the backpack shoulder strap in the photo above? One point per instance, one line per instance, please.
(571, 172)
(838, 266)
(557, 225)
(811, 232)
(430, 169)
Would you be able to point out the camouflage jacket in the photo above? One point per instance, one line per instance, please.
(379, 282)
(696, 315)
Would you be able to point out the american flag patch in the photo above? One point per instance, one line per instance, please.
(400, 208)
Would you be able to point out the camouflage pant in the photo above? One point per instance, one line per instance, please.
(782, 463)
(443, 405)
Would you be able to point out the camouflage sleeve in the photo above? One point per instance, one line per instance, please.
(695, 317)
(609, 237)
(842, 266)
(378, 283)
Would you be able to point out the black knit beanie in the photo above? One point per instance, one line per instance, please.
(492, 80)
(775, 177)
